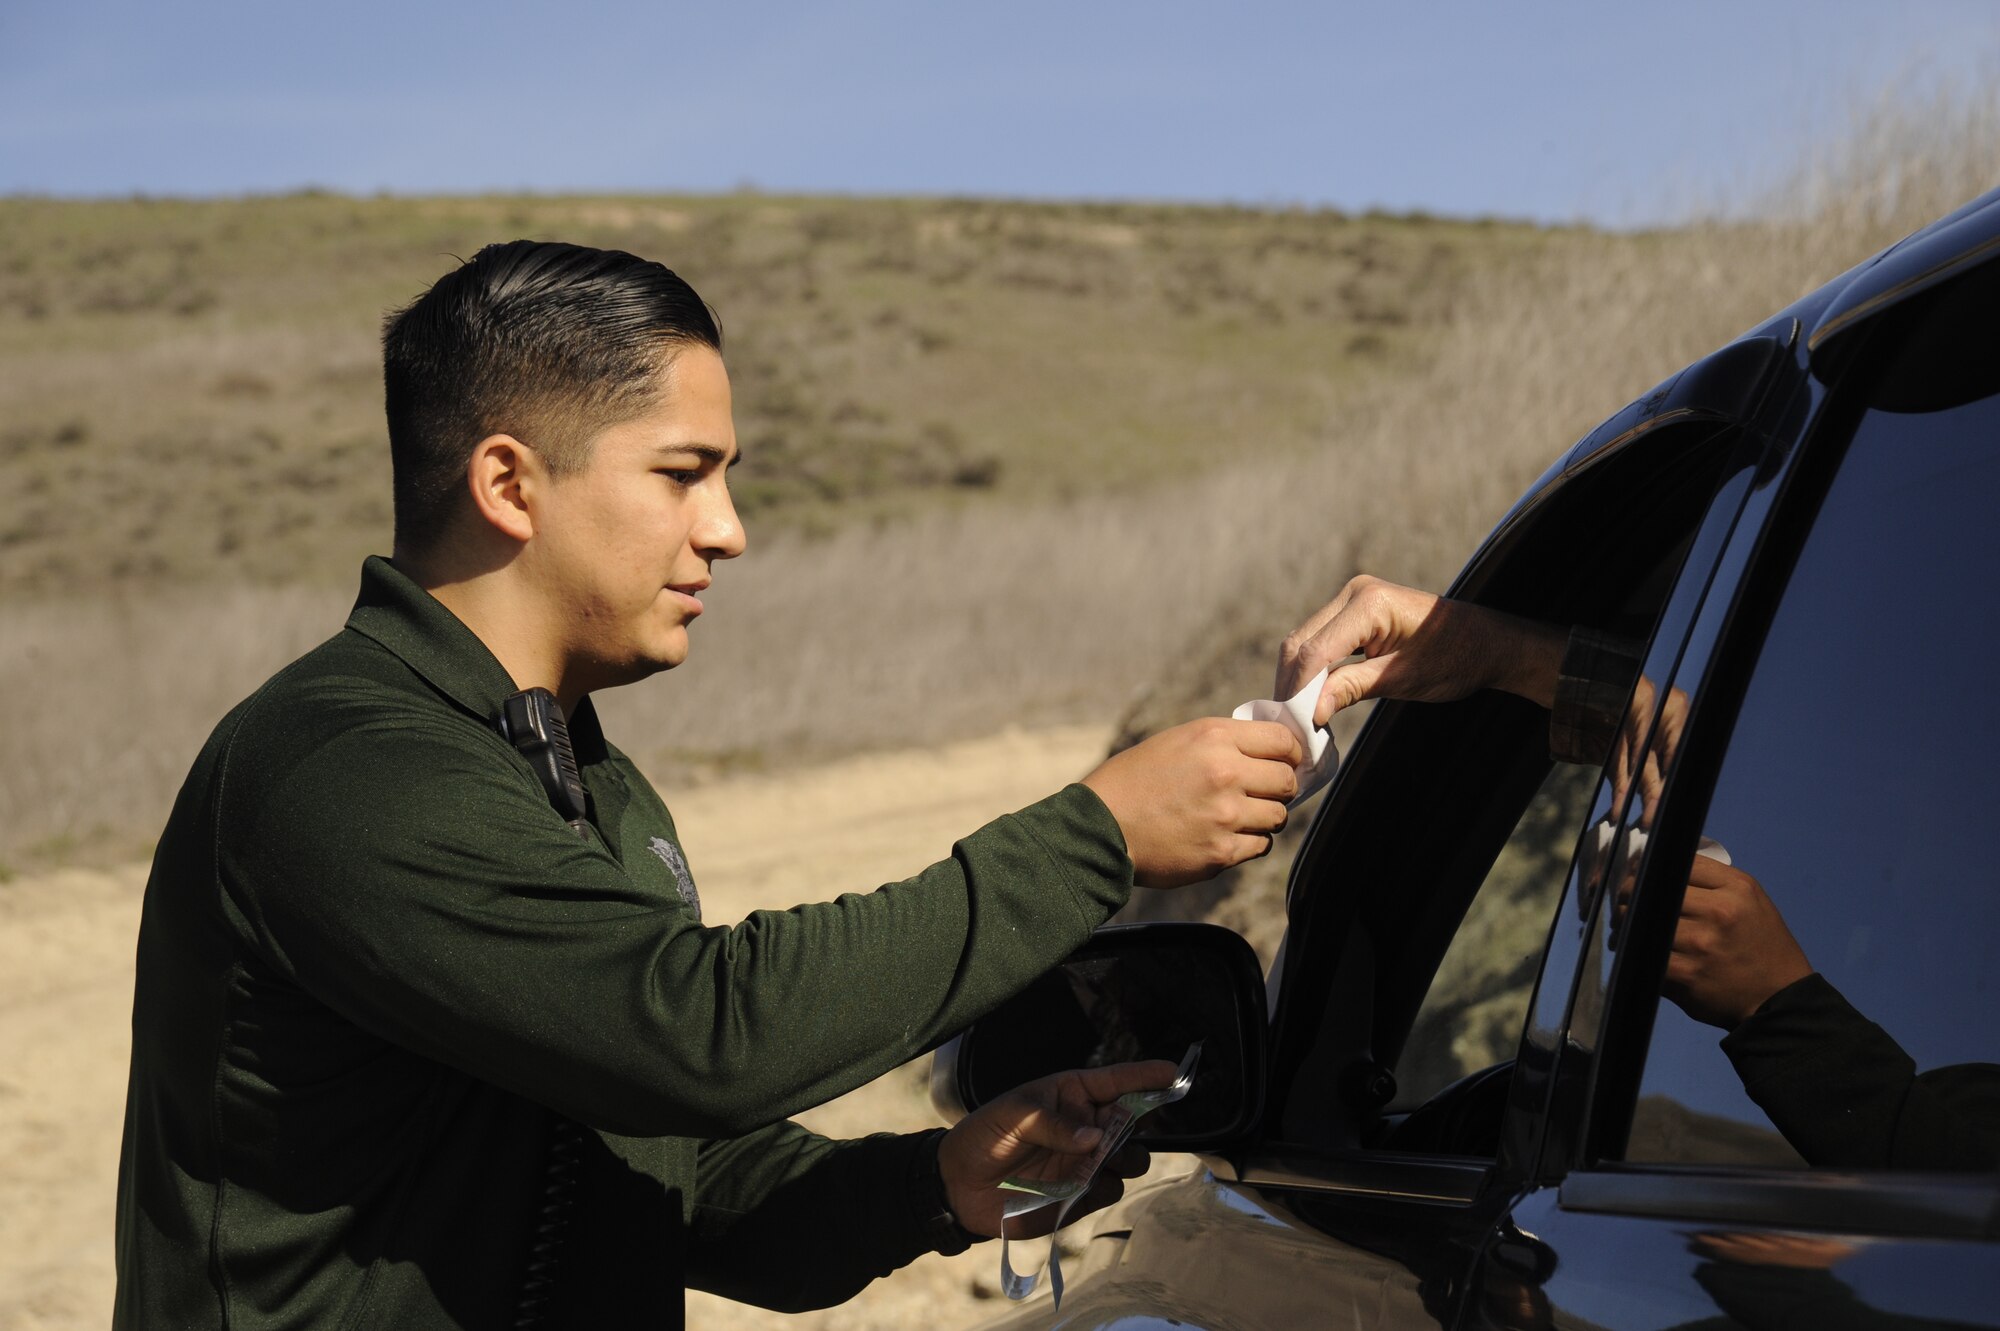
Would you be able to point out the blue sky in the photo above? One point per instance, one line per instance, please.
(1607, 111)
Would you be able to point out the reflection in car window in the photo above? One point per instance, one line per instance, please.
(1856, 799)
(1471, 1017)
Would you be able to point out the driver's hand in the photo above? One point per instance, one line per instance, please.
(1416, 646)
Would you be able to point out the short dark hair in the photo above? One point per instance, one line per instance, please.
(550, 343)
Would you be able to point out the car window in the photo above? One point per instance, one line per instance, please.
(1471, 1016)
(1423, 900)
(1854, 803)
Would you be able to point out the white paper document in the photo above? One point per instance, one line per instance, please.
(1295, 713)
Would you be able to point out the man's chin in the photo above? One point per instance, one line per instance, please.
(644, 661)
(666, 652)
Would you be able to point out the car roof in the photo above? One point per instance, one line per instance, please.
(1955, 242)
(1733, 377)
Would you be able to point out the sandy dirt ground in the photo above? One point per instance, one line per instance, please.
(66, 990)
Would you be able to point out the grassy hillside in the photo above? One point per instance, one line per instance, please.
(190, 390)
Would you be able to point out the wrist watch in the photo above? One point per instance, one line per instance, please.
(935, 1220)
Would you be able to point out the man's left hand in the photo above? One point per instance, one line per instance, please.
(1046, 1130)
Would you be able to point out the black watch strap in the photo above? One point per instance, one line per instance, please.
(940, 1227)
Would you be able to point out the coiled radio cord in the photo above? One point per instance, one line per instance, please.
(559, 1188)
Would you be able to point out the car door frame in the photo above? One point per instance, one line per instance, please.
(1590, 1222)
(1715, 671)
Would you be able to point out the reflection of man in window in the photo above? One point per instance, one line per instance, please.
(1839, 1087)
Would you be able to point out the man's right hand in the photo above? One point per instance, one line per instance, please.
(1194, 800)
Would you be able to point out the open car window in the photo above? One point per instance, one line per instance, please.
(1471, 1017)
(1425, 895)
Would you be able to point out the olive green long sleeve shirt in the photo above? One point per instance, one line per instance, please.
(375, 964)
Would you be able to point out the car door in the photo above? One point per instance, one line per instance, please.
(1825, 1153)
(1405, 1108)
(1422, 904)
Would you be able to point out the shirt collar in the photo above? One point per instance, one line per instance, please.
(407, 620)
(395, 612)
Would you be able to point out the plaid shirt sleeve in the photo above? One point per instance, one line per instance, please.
(1598, 672)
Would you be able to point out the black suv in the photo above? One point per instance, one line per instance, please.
(1467, 1103)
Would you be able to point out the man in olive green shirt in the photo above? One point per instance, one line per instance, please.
(416, 1047)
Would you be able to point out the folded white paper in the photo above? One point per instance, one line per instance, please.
(1295, 713)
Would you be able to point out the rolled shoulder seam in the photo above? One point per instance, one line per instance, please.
(1077, 809)
(225, 759)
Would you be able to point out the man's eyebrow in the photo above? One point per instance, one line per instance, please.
(707, 452)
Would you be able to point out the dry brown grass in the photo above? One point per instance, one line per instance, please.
(1161, 600)
(112, 698)
(189, 389)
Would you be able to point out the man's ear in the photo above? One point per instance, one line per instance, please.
(500, 473)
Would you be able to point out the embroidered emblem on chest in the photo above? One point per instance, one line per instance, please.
(670, 855)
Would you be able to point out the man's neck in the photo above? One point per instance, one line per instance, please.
(511, 619)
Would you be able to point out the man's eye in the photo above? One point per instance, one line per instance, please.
(680, 477)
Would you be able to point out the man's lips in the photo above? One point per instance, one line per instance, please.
(685, 593)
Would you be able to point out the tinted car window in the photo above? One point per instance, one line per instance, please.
(1857, 790)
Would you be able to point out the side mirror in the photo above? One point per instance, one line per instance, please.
(1133, 991)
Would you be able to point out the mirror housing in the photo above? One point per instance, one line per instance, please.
(1132, 991)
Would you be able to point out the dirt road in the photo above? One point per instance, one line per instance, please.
(66, 992)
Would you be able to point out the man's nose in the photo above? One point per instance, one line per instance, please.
(720, 534)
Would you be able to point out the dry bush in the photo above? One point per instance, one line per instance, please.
(113, 699)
